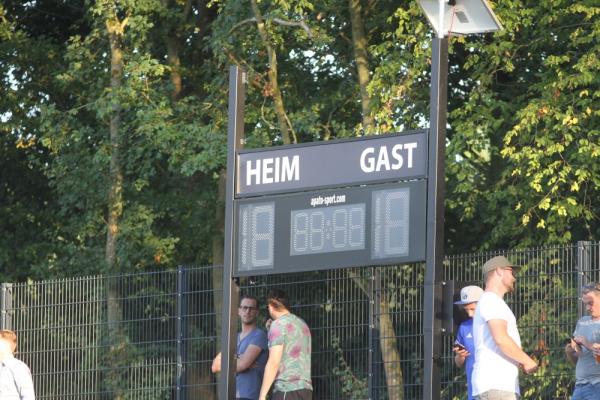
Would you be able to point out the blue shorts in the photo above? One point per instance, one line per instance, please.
(586, 391)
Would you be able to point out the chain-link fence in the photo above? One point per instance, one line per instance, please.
(153, 335)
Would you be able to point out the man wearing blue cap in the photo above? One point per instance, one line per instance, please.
(464, 347)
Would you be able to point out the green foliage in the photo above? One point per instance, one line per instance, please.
(544, 289)
(522, 145)
(352, 386)
(524, 142)
(169, 156)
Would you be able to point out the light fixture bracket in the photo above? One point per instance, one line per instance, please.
(461, 17)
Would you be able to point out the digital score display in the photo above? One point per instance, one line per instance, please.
(391, 216)
(327, 229)
(257, 235)
(358, 226)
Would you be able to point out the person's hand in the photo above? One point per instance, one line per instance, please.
(596, 349)
(461, 352)
(573, 346)
(530, 366)
(268, 323)
(582, 341)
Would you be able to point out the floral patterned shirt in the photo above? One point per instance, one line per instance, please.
(294, 369)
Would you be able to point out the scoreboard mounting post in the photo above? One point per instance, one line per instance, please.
(231, 290)
(432, 296)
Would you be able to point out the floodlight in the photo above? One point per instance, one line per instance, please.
(460, 17)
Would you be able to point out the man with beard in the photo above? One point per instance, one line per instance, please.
(251, 352)
(583, 349)
(498, 353)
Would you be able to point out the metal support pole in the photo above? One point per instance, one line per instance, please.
(5, 306)
(182, 288)
(231, 289)
(373, 334)
(377, 357)
(432, 323)
(584, 265)
(448, 307)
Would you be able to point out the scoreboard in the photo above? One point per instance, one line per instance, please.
(335, 204)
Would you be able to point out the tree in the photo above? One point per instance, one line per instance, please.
(114, 117)
(30, 47)
(524, 139)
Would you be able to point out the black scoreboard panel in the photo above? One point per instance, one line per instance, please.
(356, 226)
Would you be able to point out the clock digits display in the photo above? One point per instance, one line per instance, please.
(327, 229)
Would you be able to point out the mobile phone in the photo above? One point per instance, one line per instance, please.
(459, 346)
(568, 340)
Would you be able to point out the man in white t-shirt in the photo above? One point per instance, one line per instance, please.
(498, 353)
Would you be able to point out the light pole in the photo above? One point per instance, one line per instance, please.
(458, 17)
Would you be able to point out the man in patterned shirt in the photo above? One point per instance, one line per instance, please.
(288, 367)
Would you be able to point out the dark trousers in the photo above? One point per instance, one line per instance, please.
(303, 394)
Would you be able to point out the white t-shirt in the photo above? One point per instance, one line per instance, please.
(493, 370)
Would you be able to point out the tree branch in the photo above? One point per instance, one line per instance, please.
(301, 24)
(246, 21)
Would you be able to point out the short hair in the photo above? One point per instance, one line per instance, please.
(590, 288)
(9, 336)
(278, 299)
(249, 297)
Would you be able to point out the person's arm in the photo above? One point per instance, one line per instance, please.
(216, 364)
(275, 354)
(247, 359)
(572, 351)
(460, 352)
(460, 356)
(499, 330)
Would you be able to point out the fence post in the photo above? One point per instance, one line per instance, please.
(371, 333)
(584, 264)
(374, 303)
(182, 287)
(5, 306)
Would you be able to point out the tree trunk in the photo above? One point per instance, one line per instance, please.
(115, 180)
(172, 35)
(388, 342)
(218, 245)
(389, 352)
(115, 29)
(287, 133)
(359, 44)
(175, 64)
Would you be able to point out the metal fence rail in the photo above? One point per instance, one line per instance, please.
(153, 335)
